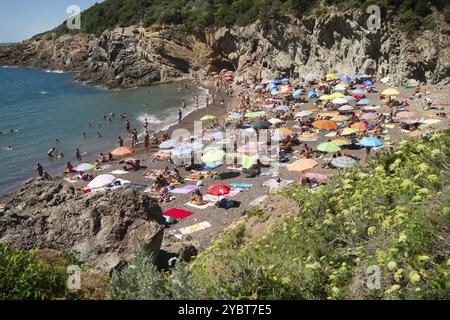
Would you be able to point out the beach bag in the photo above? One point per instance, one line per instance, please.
(227, 204)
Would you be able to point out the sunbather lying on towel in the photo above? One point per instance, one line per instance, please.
(197, 198)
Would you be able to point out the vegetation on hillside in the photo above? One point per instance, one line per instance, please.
(391, 216)
(414, 15)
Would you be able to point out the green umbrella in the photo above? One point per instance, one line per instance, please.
(212, 156)
(255, 114)
(261, 125)
(329, 147)
(209, 117)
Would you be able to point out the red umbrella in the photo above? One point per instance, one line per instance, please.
(219, 190)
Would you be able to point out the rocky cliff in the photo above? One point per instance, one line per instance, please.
(135, 56)
(103, 228)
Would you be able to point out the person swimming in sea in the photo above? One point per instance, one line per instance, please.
(99, 135)
(52, 153)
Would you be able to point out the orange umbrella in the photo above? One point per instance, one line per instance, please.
(360, 126)
(325, 124)
(303, 165)
(284, 131)
(123, 151)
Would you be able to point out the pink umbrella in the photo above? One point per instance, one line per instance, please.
(316, 176)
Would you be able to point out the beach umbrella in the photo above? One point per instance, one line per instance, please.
(339, 101)
(348, 132)
(390, 92)
(261, 125)
(329, 147)
(284, 131)
(297, 93)
(213, 156)
(344, 162)
(339, 118)
(248, 161)
(336, 95)
(349, 98)
(331, 76)
(302, 165)
(341, 142)
(360, 126)
(123, 151)
(235, 116)
(303, 114)
(346, 79)
(357, 91)
(312, 94)
(253, 115)
(370, 116)
(346, 108)
(219, 190)
(371, 108)
(371, 142)
(278, 137)
(406, 114)
(340, 87)
(328, 114)
(84, 167)
(101, 181)
(326, 98)
(275, 121)
(182, 151)
(361, 75)
(316, 176)
(282, 108)
(431, 121)
(308, 137)
(364, 102)
(368, 83)
(410, 83)
(169, 144)
(209, 117)
(325, 124)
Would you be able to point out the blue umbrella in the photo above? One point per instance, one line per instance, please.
(282, 108)
(360, 75)
(346, 79)
(235, 116)
(368, 83)
(259, 86)
(312, 94)
(364, 102)
(276, 81)
(284, 80)
(371, 142)
(357, 91)
(297, 93)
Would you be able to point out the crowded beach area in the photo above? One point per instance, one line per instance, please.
(256, 138)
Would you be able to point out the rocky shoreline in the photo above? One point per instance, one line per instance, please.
(137, 56)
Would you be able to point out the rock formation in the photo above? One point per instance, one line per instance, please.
(341, 41)
(104, 228)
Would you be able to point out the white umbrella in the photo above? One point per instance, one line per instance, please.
(101, 181)
(275, 121)
(346, 108)
(339, 101)
(303, 114)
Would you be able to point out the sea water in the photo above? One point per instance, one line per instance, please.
(40, 107)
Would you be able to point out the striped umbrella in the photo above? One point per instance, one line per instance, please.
(84, 167)
(344, 162)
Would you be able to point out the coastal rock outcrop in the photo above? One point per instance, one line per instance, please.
(103, 228)
(340, 41)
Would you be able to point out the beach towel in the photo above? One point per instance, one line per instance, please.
(241, 185)
(184, 190)
(212, 166)
(233, 168)
(177, 213)
(119, 172)
(195, 228)
(203, 207)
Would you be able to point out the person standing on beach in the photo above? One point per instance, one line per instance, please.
(39, 169)
(207, 100)
(147, 142)
(197, 102)
(78, 155)
(127, 125)
(146, 125)
(180, 115)
(120, 140)
(183, 104)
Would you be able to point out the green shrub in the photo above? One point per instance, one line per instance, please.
(23, 277)
(447, 15)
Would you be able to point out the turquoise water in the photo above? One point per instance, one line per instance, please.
(44, 106)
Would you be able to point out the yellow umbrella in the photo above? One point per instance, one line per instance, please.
(390, 92)
(341, 142)
(348, 131)
(324, 98)
(336, 95)
(331, 76)
(340, 118)
(328, 114)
